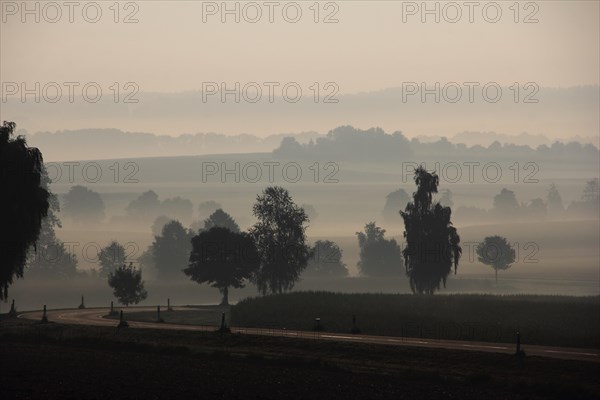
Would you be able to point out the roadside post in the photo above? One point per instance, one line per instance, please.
(122, 322)
(44, 317)
(13, 311)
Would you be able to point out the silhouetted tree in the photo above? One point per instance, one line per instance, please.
(394, 203)
(280, 239)
(289, 147)
(23, 203)
(159, 223)
(223, 259)
(221, 219)
(145, 207)
(378, 256)
(111, 257)
(505, 204)
(554, 201)
(83, 205)
(50, 258)
(171, 250)
(326, 261)
(432, 243)
(590, 200)
(127, 284)
(496, 252)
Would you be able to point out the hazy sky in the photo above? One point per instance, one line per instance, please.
(374, 45)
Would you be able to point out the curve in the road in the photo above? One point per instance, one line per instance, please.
(95, 317)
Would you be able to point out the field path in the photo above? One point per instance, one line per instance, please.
(95, 317)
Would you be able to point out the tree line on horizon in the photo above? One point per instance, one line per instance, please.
(349, 143)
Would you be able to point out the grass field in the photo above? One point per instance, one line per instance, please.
(66, 361)
(541, 320)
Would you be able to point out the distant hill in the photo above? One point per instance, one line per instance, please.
(89, 144)
(94, 144)
(526, 139)
(355, 155)
(559, 113)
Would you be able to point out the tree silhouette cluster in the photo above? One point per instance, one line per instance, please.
(348, 143)
(378, 255)
(272, 255)
(148, 207)
(222, 258)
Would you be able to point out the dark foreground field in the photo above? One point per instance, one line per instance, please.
(54, 361)
(542, 320)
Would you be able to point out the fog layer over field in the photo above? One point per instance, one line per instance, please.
(504, 190)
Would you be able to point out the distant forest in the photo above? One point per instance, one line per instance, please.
(348, 143)
(342, 143)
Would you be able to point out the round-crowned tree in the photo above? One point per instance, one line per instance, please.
(378, 256)
(394, 203)
(223, 259)
(83, 205)
(171, 250)
(145, 207)
(221, 219)
(127, 284)
(111, 257)
(326, 261)
(496, 252)
(505, 204)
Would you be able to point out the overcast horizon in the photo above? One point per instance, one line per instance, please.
(349, 63)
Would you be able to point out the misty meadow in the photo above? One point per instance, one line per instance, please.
(287, 200)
